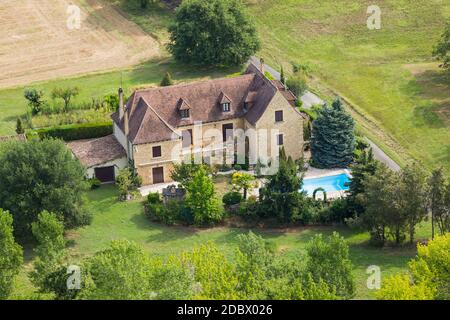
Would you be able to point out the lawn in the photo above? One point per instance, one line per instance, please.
(388, 74)
(125, 220)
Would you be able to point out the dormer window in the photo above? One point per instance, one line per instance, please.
(226, 107)
(224, 102)
(184, 108)
(184, 114)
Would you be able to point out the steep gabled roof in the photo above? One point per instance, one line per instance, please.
(154, 113)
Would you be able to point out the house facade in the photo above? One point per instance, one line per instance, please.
(244, 118)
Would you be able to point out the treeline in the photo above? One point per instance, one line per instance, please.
(125, 271)
(391, 204)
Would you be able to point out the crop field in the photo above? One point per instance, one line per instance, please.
(39, 40)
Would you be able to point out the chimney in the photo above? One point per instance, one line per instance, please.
(121, 109)
(261, 61)
(125, 123)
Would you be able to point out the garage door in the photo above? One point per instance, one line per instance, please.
(158, 175)
(105, 174)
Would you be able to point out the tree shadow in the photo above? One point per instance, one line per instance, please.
(431, 91)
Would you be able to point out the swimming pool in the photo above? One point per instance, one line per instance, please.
(329, 183)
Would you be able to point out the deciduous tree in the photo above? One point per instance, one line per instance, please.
(11, 255)
(214, 32)
(201, 199)
(328, 260)
(38, 176)
(50, 250)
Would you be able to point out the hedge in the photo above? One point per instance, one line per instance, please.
(73, 131)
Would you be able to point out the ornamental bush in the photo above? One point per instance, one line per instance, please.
(231, 198)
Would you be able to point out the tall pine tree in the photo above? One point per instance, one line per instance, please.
(333, 138)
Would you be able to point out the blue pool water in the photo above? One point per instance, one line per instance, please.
(329, 183)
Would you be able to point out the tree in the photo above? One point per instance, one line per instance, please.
(185, 171)
(442, 48)
(243, 181)
(35, 101)
(253, 261)
(297, 84)
(167, 80)
(38, 176)
(215, 32)
(413, 197)
(282, 76)
(50, 251)
(112, 101)
(429, 275)
(66, 94)
(333, 138)
(19, 126)
(328, 260)
(364, 166)
(438, 201)
(379, 200)
(399, 287)
(214, 273)
(280, 197)
(120, 272)
(124, 181)
(202, 200)
(11, 255)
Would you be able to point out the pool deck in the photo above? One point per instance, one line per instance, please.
(318, 173)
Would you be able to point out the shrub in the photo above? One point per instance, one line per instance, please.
(336, 212)
(154, 198)
(250, 209)
(231, 198)
(75, 131)
(94, 183)
(237, 167)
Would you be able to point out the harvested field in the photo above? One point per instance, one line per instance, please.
(36, 43)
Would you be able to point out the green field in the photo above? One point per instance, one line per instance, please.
(388, 74)
(125, 220)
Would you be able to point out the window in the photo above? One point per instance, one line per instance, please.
(185, 113)
(226, 107)
(156, 151)
(280, 139)
(186, 136)
(227, 131)
(279, 116)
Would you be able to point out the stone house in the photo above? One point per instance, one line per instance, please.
(243, 118)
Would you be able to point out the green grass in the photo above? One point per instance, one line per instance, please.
(13, 104)
(388, 74)
(125, 220)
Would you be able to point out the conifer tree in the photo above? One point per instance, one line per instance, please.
(333, 138)
(167, 80)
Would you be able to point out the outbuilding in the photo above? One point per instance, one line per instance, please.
(102, 157)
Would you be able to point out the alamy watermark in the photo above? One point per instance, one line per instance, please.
(374, 20)
(374, 278)
(74, 17)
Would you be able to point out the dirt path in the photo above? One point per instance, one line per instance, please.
(36, 44)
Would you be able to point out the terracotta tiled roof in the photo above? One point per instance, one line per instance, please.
(97, 151)
(154, 113)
